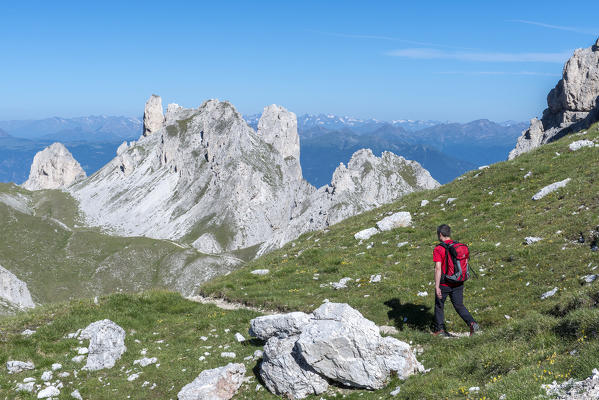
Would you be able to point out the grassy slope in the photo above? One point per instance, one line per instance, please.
(61, 260)
(493, 213)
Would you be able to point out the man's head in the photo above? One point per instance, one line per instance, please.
(443, 232)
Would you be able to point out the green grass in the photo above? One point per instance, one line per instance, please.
(538, 336)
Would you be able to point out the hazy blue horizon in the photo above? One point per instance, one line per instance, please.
(387, 61)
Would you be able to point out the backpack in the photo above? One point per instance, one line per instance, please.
(456, 262)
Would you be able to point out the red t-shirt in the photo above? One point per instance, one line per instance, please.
(439, 256)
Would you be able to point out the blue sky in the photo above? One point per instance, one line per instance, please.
(442, 60)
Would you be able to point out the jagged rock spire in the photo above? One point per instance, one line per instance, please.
(53, 168)
(153, 115)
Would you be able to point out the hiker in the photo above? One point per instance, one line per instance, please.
(452, 286)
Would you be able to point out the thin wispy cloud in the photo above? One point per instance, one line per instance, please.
(432, 54)
(528, 73)
(390, 39)
(558, 27)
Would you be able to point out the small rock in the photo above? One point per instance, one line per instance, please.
(450, 200)
(76, 395)
(550, 293)
(239, 337)
(342, 284)
(27, 332)
(366, 234)
(550, 188)
(402, 244)
(590, 278)
(227, 354)
(56, 366)
(422, 294)
(48, 391)
(388, 330)
(375, 278)
(82, 350)
(144, 362)
(25, 387)
(260, 272)
(532, 239)
(106, 344)
(47, 376)
(474, 389)
(14, 367)
(395, 392)
(214, 384)
(398, 220)
(423, 203)
(78, 359)
(133, 377)
(579, 144)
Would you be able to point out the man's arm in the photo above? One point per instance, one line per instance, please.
(438, 279)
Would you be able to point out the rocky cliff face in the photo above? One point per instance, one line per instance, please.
(53, 168)
(153, 117)
(572, 105)
(207, 178)
(14, 291)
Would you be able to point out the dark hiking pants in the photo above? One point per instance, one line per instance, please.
(456, 294)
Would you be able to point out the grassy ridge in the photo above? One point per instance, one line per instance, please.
(527, 340)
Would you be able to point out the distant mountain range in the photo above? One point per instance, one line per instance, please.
(446, 149)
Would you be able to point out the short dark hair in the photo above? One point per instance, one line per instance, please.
(444, 230)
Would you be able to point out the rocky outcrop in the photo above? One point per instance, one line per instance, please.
(214, 384)
(153, 117)
(210, 180)
(572, 105)
(14, 291)
(106, 344)
(53, 168)
(335, 343)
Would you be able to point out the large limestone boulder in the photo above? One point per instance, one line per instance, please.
(153, 116)
(572, 105)
(54, 168)
(336, 343)
(106, 344)
(286, 373)
(214, 384)
(14, 291)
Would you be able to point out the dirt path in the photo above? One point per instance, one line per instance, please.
(228, 305)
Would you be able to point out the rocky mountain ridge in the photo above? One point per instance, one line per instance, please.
(211, 181)
(53, 168)
(571, 106)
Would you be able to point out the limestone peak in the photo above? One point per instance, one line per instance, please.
(54, 168)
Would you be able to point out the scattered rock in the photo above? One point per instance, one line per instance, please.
(422, 294)
(76, 395)
(56, 366)
(400, 219)
(54, 168)
(424, 203)
(106, 344)
(550, 293)
(239, 337)
(550, 188)
(402, 244)
(579, 144)
(590, 278)
(228, 354)
(133, 377)
(260, 272)
(587, 389)
(15, 367)
(366, 234)
(47, 376)
(25, 387)
(388, 330)
(144, 362)
(214, 384)
(450, 200)
(47, 392)
(375, 278)
(532, 239)
(342, 284)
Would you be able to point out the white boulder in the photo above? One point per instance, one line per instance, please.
(366, 234)
(579, 144)
(47, 392)
(400, 219)
(532, 239)
(15, 367)
(550, 188)
(214, 384)
(106, 344)
(550, 293)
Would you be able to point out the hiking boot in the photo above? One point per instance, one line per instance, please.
(442, 333)
(474, 328)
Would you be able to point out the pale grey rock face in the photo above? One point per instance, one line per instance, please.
(346, 347)
(572, 105)
(279, 325)
(53, 168)
(587, 389)
(214, 384)
(400, 219)
(15, 366)
(286, 374)
(153, 117)
(208, 179)
(106, 344)
(14, 291)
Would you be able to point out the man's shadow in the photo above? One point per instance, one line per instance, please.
(415, 316)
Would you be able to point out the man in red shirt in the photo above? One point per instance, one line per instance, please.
(455, 291)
